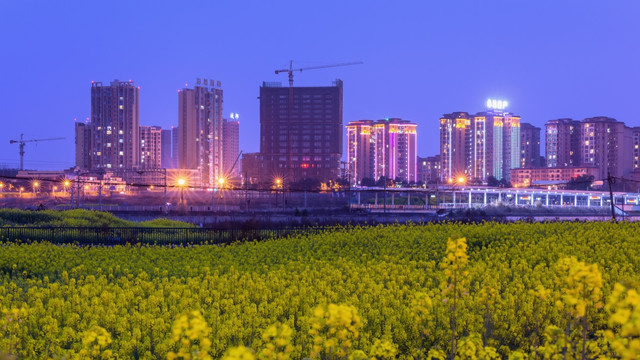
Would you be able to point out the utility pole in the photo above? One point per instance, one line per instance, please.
(385, 194)
(78, 191)
(246, 191)
(165, 187)
(611, 180)
(100, 195)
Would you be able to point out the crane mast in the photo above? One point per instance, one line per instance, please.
(22, 142)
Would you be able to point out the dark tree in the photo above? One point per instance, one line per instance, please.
(492, 181)
(582, 182)
(367, 182)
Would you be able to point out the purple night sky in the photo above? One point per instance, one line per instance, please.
(548, 59)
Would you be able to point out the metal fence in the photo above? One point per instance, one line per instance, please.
(144, 235)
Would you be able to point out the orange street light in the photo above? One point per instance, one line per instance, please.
(461, 180)
(182, 182)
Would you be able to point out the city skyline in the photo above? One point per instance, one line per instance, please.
(570, 60)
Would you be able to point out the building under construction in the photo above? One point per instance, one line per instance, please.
(300, 137)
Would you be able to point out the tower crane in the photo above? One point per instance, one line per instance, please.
(22, 143)
(290, 71)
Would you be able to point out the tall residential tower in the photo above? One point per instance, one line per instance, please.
(114, 126)
(200, 130)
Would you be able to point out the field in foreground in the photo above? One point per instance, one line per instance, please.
(508, 291)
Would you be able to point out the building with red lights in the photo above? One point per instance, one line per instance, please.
(301, 132)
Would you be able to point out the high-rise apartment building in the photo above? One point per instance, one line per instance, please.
(360, 150)
(495, 148)
(395, 152)
(429, 169)
(635, 131)
(562, 143)
(455, 145)
(83, 146)
(114, 126)
(169, 148)
(301, 135)
(231, 146)
(200, 130)
(479, 146)
(529, 146)
(606, 144)
(150, 147)
(382, 148)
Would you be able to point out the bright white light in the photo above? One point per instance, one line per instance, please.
(497, 104)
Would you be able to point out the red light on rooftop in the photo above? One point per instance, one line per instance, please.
(304, 165)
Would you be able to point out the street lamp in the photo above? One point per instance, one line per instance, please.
(35, 186)
(278, 186)
(1, 186)
(181, 183)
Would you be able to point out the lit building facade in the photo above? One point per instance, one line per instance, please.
(83, 145)
(231, 146)
(479, 146)
(529, 146)
(150, 147)
(606, 144)
(395, 151)
(635, 131)
(525, 177)
(495, 146)
(382, 148)
(360, 149)
(115, 126)
(562, 143)
(455, 145)
(429, 169)
(200, 128)
(301, 136)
